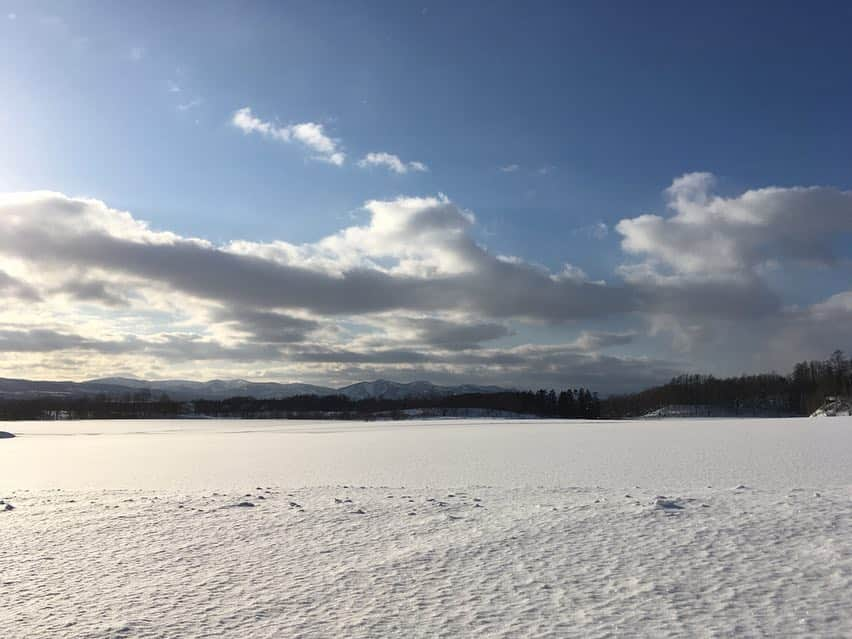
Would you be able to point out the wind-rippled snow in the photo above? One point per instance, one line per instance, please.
(710, 528)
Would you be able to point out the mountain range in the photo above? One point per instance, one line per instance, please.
(185, 390)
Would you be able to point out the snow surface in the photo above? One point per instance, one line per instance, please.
(707, 528)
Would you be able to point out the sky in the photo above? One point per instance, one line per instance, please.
(526, 194)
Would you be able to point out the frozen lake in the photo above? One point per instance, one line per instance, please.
(208, 454)
(191, 529)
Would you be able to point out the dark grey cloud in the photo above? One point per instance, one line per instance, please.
(89, 290)
(698, 298)
(501, 289)
(12, 287)
(174, 347)
(807, 333)
(325, 355)
(266, 326)
(453, 335)
(606, 374)
(526, 358)
(39, 340)
(181, 347)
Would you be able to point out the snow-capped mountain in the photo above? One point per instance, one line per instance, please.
(218, 388)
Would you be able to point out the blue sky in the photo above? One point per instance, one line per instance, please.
(551, 122)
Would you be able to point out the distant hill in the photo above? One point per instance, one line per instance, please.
(214, 389)
(185, 390)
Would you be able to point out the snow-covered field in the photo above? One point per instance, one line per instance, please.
(709, 528)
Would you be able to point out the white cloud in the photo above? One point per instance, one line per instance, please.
(309, 134)
(510, 168)
(715, 237)
(186, 106)
(571, 272)
(392, 162)
(137, 53)
(597, 231)
(313, 136)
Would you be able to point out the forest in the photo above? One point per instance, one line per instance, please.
(770, 394)
(568, 404)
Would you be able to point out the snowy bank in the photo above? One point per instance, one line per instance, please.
(834, 407)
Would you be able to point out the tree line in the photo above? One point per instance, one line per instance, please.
(568, 404)
(799, 393)
(93, 407)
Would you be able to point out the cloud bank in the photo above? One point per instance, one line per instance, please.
(410, 293)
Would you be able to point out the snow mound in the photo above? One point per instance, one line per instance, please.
(682, 410)
(834, 407)
(661, 502)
